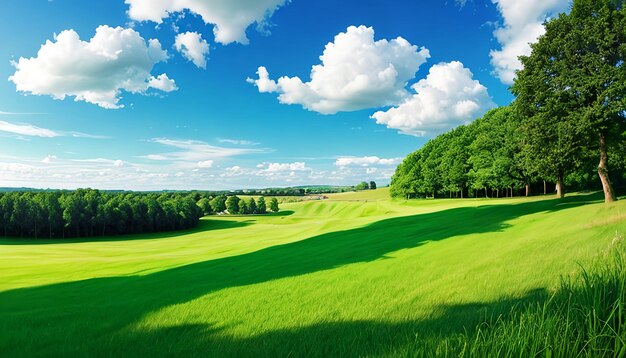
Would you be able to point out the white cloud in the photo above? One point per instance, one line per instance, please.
(192, 47)
(163, 83)
(523, 24)
(94, 71)
(236, 141)
(357, 72)
(205, 164)
(447, 97)
(264, 83)
(118, 163)
(366, 161)
(49, 159)
(28, 130)
(230, 17)
(281, 167)
(193, 154)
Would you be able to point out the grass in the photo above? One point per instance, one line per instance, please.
(355, 275)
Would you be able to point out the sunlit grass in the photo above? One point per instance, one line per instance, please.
(336, 277)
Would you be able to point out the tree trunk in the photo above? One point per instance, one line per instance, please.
(486, 196)
(461, 193)
(545, 188)
(603, 171)
(527, 189)
(560, 188)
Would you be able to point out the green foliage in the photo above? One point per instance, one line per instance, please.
(585, 317)
(274, 205)
(218, 204)
(90, 213)
(570, 92)
(232, 205)
(361, 186)
(261, 206)
(479, 156)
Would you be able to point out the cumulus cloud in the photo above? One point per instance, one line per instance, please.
(447, 97)
(163, 83)
(523, 24)
(365, 161)
(356, 72)
(94, 71)
(192, 47)
(205, 164)
(230, 18)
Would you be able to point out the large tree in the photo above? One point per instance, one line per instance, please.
(571, 90)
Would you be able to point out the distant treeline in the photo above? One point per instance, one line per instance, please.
(294, 191)
(490, 158)
(91, 213)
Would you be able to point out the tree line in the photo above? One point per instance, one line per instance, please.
(93, 213)
(235, 205)
(567, 125)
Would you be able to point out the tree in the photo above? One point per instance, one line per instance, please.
(218, 204)
(244, 207)
(252, 207)
(372, 185)
(572, 86)
(205, 205)
(361, 186)
(232, 205)
(261, 206)
(274, 205)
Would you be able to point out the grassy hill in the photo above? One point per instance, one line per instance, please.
(356, 274)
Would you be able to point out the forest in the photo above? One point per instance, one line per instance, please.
(565, 129)
(93, 213)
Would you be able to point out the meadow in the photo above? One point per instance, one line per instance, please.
(353, 275)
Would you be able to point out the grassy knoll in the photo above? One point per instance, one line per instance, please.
(343, 276)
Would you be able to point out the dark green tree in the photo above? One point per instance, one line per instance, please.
(261, 206)
(274, 205)
(232, 205)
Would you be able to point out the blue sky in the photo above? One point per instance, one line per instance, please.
(144, 95)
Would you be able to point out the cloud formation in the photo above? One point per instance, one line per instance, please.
(366, 161)
(196, 154)
(95, 71)
(446, 98)
(193, 47)
(523, 24)
(27, 130)
(230, 18)
(356, 72)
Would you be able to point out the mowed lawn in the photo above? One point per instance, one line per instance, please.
(356, 274)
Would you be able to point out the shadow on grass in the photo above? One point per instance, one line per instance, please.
(77, 313)
(360, 338)
(204, 225)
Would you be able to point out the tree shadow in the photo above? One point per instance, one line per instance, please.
(359, 338)
(204, 225)
(99, 307)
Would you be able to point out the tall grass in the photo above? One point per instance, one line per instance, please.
(584, 317)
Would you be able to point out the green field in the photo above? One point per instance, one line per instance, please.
(357, 274)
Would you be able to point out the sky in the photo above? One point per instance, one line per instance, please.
(215, 94)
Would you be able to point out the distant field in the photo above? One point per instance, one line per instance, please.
(356, 274)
